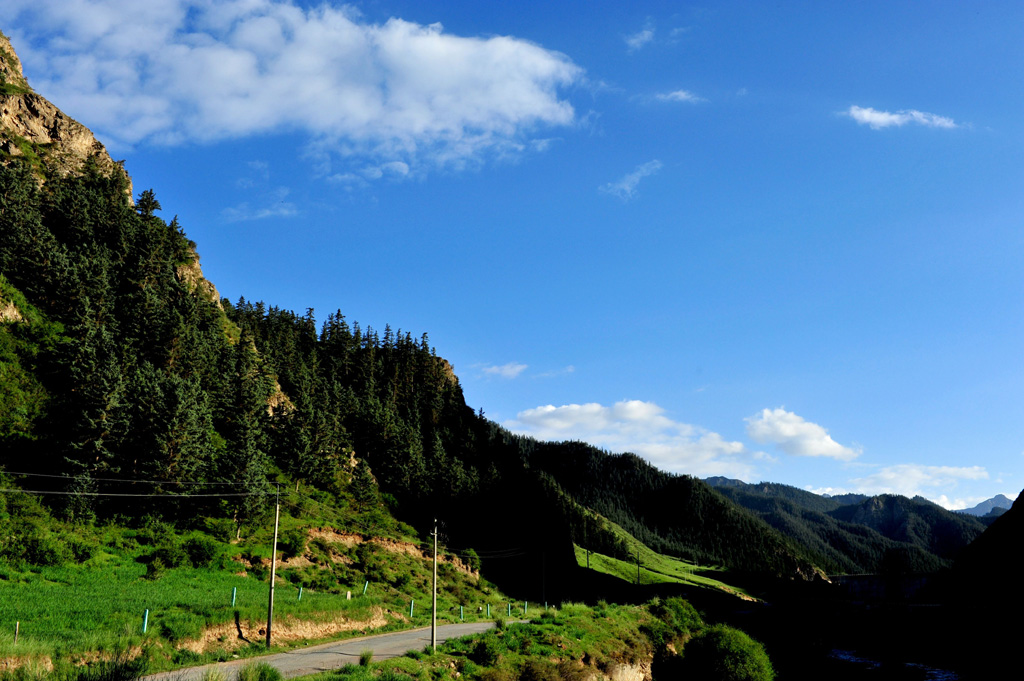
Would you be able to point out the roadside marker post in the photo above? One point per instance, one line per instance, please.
(17, 626)
(462, 612)
(488, 611)
(234, 595)
(366, 586)
(526, 608)
(300, 593)
(509, 609)
(145, 621)
(412, 605)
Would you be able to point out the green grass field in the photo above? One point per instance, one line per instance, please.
(96, 601)
(654, 567)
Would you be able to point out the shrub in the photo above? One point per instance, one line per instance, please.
(722, 653)
(41, 549)
(201, 551)
(155, 569)
(365, 657)
(472, 560)
(171, 554)
(486, 651)
(222, 528)
(293, 543)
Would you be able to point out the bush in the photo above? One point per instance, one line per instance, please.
(486, 651)
(201, 551)
(173, 555)
(722, 653)
(223, 529)
(293, 543)
(365, 657)
(155, 569)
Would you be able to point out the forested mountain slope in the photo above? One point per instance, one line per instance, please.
(879, 534)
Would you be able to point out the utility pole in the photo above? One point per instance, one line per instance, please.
(544, 576)
(273, 566)
(433, 614)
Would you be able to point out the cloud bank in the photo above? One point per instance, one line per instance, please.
(877, 120)
(642, 428)
(793, 435)
(174, 71)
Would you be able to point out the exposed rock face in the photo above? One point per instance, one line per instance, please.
(31, 126)
(9, 312)
(191, 274)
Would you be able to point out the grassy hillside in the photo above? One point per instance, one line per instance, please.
(78, 590)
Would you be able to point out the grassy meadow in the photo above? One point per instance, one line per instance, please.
(79, 592)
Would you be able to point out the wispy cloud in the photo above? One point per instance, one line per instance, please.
(678, 96)
(510, 370)
(796, 436)
(245, 212)
(644, 429)
(638, 40)
(625, 188)
(173, 71)
(876, 120)
(937, 483)
(564, 371)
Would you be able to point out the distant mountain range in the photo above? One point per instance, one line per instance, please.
(997, 505)
(856, 533)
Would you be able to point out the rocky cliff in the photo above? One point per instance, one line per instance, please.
(32, 127)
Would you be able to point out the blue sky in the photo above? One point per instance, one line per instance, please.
(769, 242)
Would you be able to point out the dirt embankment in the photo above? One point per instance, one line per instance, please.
(231, 635)
(390, 545)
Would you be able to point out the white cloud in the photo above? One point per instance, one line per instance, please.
(170, 71)
(679, 96)
(625, 188)
(877, 120)
(796, 436)
(642, 428)
(916, 479)
(935, 483)
(636, 41)
(510, 370)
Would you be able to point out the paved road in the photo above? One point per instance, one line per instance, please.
(327, 656)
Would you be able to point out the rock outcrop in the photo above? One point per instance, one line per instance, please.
(32, 127)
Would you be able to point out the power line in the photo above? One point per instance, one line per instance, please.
(153, 482)
(114, 494)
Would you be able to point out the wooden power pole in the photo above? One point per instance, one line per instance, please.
(433, 613)
(273, 566)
